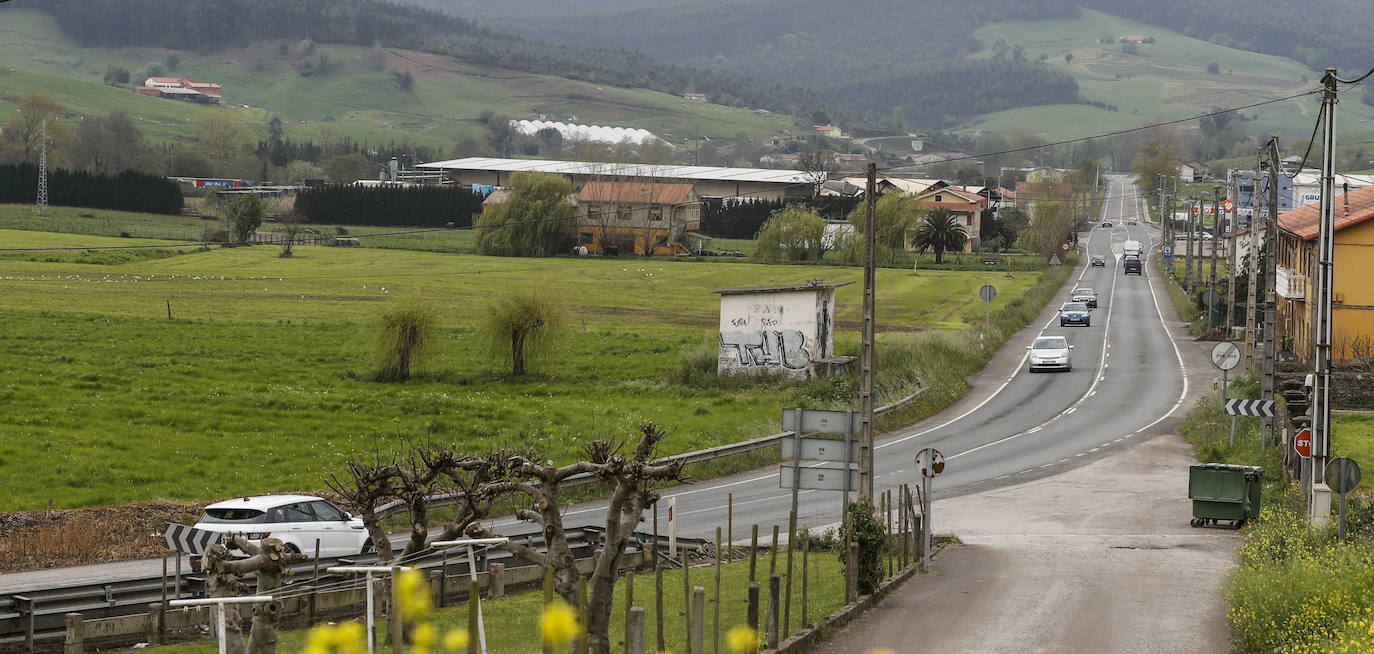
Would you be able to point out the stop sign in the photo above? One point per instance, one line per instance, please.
(1302, 443)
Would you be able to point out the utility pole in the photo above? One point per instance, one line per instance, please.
(1271, 262)
(43, 168)
(1212, 245)
(866, 382)
(1319, 506)
(1251, 293)
(1231, 259)
(1194, 208)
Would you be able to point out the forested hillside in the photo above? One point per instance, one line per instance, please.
(210, 24)
(850, 53)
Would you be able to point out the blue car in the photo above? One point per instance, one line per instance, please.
(1075, 313)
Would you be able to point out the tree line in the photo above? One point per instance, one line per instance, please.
(125, 191)
(415, 206)
(217, 24)
(743, 219)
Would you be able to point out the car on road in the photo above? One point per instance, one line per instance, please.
(1075, 313)
(1202, 236)
(1099, 261)
(297, 520)
(1131, 265)
(1085, 295)
(1132, 221)
(1050, 353)
(1106, 223)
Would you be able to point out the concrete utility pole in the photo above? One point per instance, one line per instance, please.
(1252, 293)
(1319, 506)
(43, 168)
(1231, 259)
(1194, 208)
(1212, 245)
(866, 380)
(1271, 262)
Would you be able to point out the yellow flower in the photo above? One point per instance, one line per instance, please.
(414, 594)
(559, 624)
(423, 637)
(881, 650)
(742, 638)
(456, 639)
(343, 638)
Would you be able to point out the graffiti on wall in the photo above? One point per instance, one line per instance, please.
(765, 348)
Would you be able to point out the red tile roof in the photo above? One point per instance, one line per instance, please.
(1352, 208)
(635, 192)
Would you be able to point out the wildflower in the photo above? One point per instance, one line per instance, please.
(559, 624)
(414, 595)
(422, 637)
(456, 639)
(742, 638)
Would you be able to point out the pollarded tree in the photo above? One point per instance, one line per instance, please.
(537, 219)
(795, 233)
(940, 231)
(526, 325)
(405, 335)
(268, 562)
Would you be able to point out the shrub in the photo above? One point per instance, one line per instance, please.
(862, 526)
(526, 325)
(405, 336)
(795, 233)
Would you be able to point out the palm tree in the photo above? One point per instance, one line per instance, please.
(941, 230)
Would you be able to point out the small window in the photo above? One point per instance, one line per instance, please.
(939, 198)
(656, 214)
(328, 512)
(299, 512)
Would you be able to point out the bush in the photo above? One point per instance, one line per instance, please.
(525, 325)
(405, 337)
(794, 233)
(862, 526)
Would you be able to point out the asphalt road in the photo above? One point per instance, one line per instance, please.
(1011, 427)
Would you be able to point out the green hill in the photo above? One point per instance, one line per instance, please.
(354, 98)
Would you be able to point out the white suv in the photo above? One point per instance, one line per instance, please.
(297, 520)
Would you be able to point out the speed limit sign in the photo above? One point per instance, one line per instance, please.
(930, 462)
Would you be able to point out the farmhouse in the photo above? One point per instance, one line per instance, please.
(636, 217)
(706, 181)
(1352, 294)
(180, 88)
(966, 206)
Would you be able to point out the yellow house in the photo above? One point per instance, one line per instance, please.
(636, 217)
(1353, 272)
(966, 206)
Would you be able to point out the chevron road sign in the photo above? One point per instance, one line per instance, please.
(181, 538)
(1256, 408)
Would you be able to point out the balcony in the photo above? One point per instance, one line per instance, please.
(1289, 284)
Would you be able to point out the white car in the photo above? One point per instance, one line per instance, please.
(1050, 353)
(297, 520)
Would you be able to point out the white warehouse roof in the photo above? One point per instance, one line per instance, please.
(652, 171)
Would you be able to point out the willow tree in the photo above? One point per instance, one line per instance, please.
(525, 326)
(794, 233)
(894, 215)
(535, 220)
(405, 336)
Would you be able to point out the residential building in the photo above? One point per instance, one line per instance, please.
(180, 88)
(967, 207)
(832, 131)
(636, 217)
(695, 97)
(1352, 292)
(1192, 171)
(1137, 39)
(706, 181)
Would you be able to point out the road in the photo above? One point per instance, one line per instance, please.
(1011, 427)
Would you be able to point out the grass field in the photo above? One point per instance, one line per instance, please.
(355, 99)
(258, 383)
(1164, 80)
(1353, 436)
(512, 623)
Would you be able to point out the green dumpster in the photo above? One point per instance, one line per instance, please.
(1221, 491)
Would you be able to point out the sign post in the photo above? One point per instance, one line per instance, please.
(1302, 443)
(929, 462)
(1344, 476)
(1225, 355)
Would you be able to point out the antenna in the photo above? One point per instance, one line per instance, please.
(43, 168)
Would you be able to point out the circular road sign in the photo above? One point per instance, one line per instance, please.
(1228, 205)
(1302, 443)
(1343, 475)
(930, 462)
(988, 293)
(1225, 355)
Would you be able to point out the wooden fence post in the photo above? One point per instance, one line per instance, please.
(634, 631)
(851, 591)
(629, 610)
(474, 596)
(155, 623)
(774, 596)
(697, 637)
(496, 576)
(753, 553)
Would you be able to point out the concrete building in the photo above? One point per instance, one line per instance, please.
(706, 181)
(968, 207)
(1352, 292)
(787, 330)
(635, 217)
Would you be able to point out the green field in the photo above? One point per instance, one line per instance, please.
(512, 625)
(259, 381)
(1352, 436)
(1164, 80)
(355, 99)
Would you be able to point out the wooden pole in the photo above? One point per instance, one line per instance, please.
(774, 595)
(751, 611)
(474, 596)
(851, 591)
(394, 612)
(548, 600)
(730, 527)
(658, 601)
(806, 584)
(686, 594)
(773, 554)
(629, 613)
(753, 553)
(315, 586)
(162, 610)
(697, 636)
(715, 606)
(582, 612)
(787, 593)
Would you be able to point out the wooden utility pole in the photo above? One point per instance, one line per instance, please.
(866, 380)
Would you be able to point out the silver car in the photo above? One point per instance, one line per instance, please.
(1050, 353)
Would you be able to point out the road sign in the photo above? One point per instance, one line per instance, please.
(817, 478)
(1253, 408)
(181, 538)
(818, 421)
(1302, 443)
(1343, 475)
(1225, 356)
(1228, 205)
(820, 449)
(930, 462)
(988, 293)
(1054, 259)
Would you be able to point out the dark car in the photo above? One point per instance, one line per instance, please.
(1131, 266)
(1099, 261)
(1106, 223)
(1085, 295)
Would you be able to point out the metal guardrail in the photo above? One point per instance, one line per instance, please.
(131, 596)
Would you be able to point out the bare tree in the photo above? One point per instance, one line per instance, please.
(368, 486)
(418, 478)
(817, 168)
(291, 229)
(631, 480)
(268, 561)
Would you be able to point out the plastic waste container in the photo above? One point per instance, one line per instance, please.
(1221, 491)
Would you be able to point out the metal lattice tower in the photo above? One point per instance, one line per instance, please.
(43, 169)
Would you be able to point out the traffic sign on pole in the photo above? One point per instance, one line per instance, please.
(1302, 443)
(1228, 205)
(988, 292)
(182, 538)
(1253, 408)
(1225, 355)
